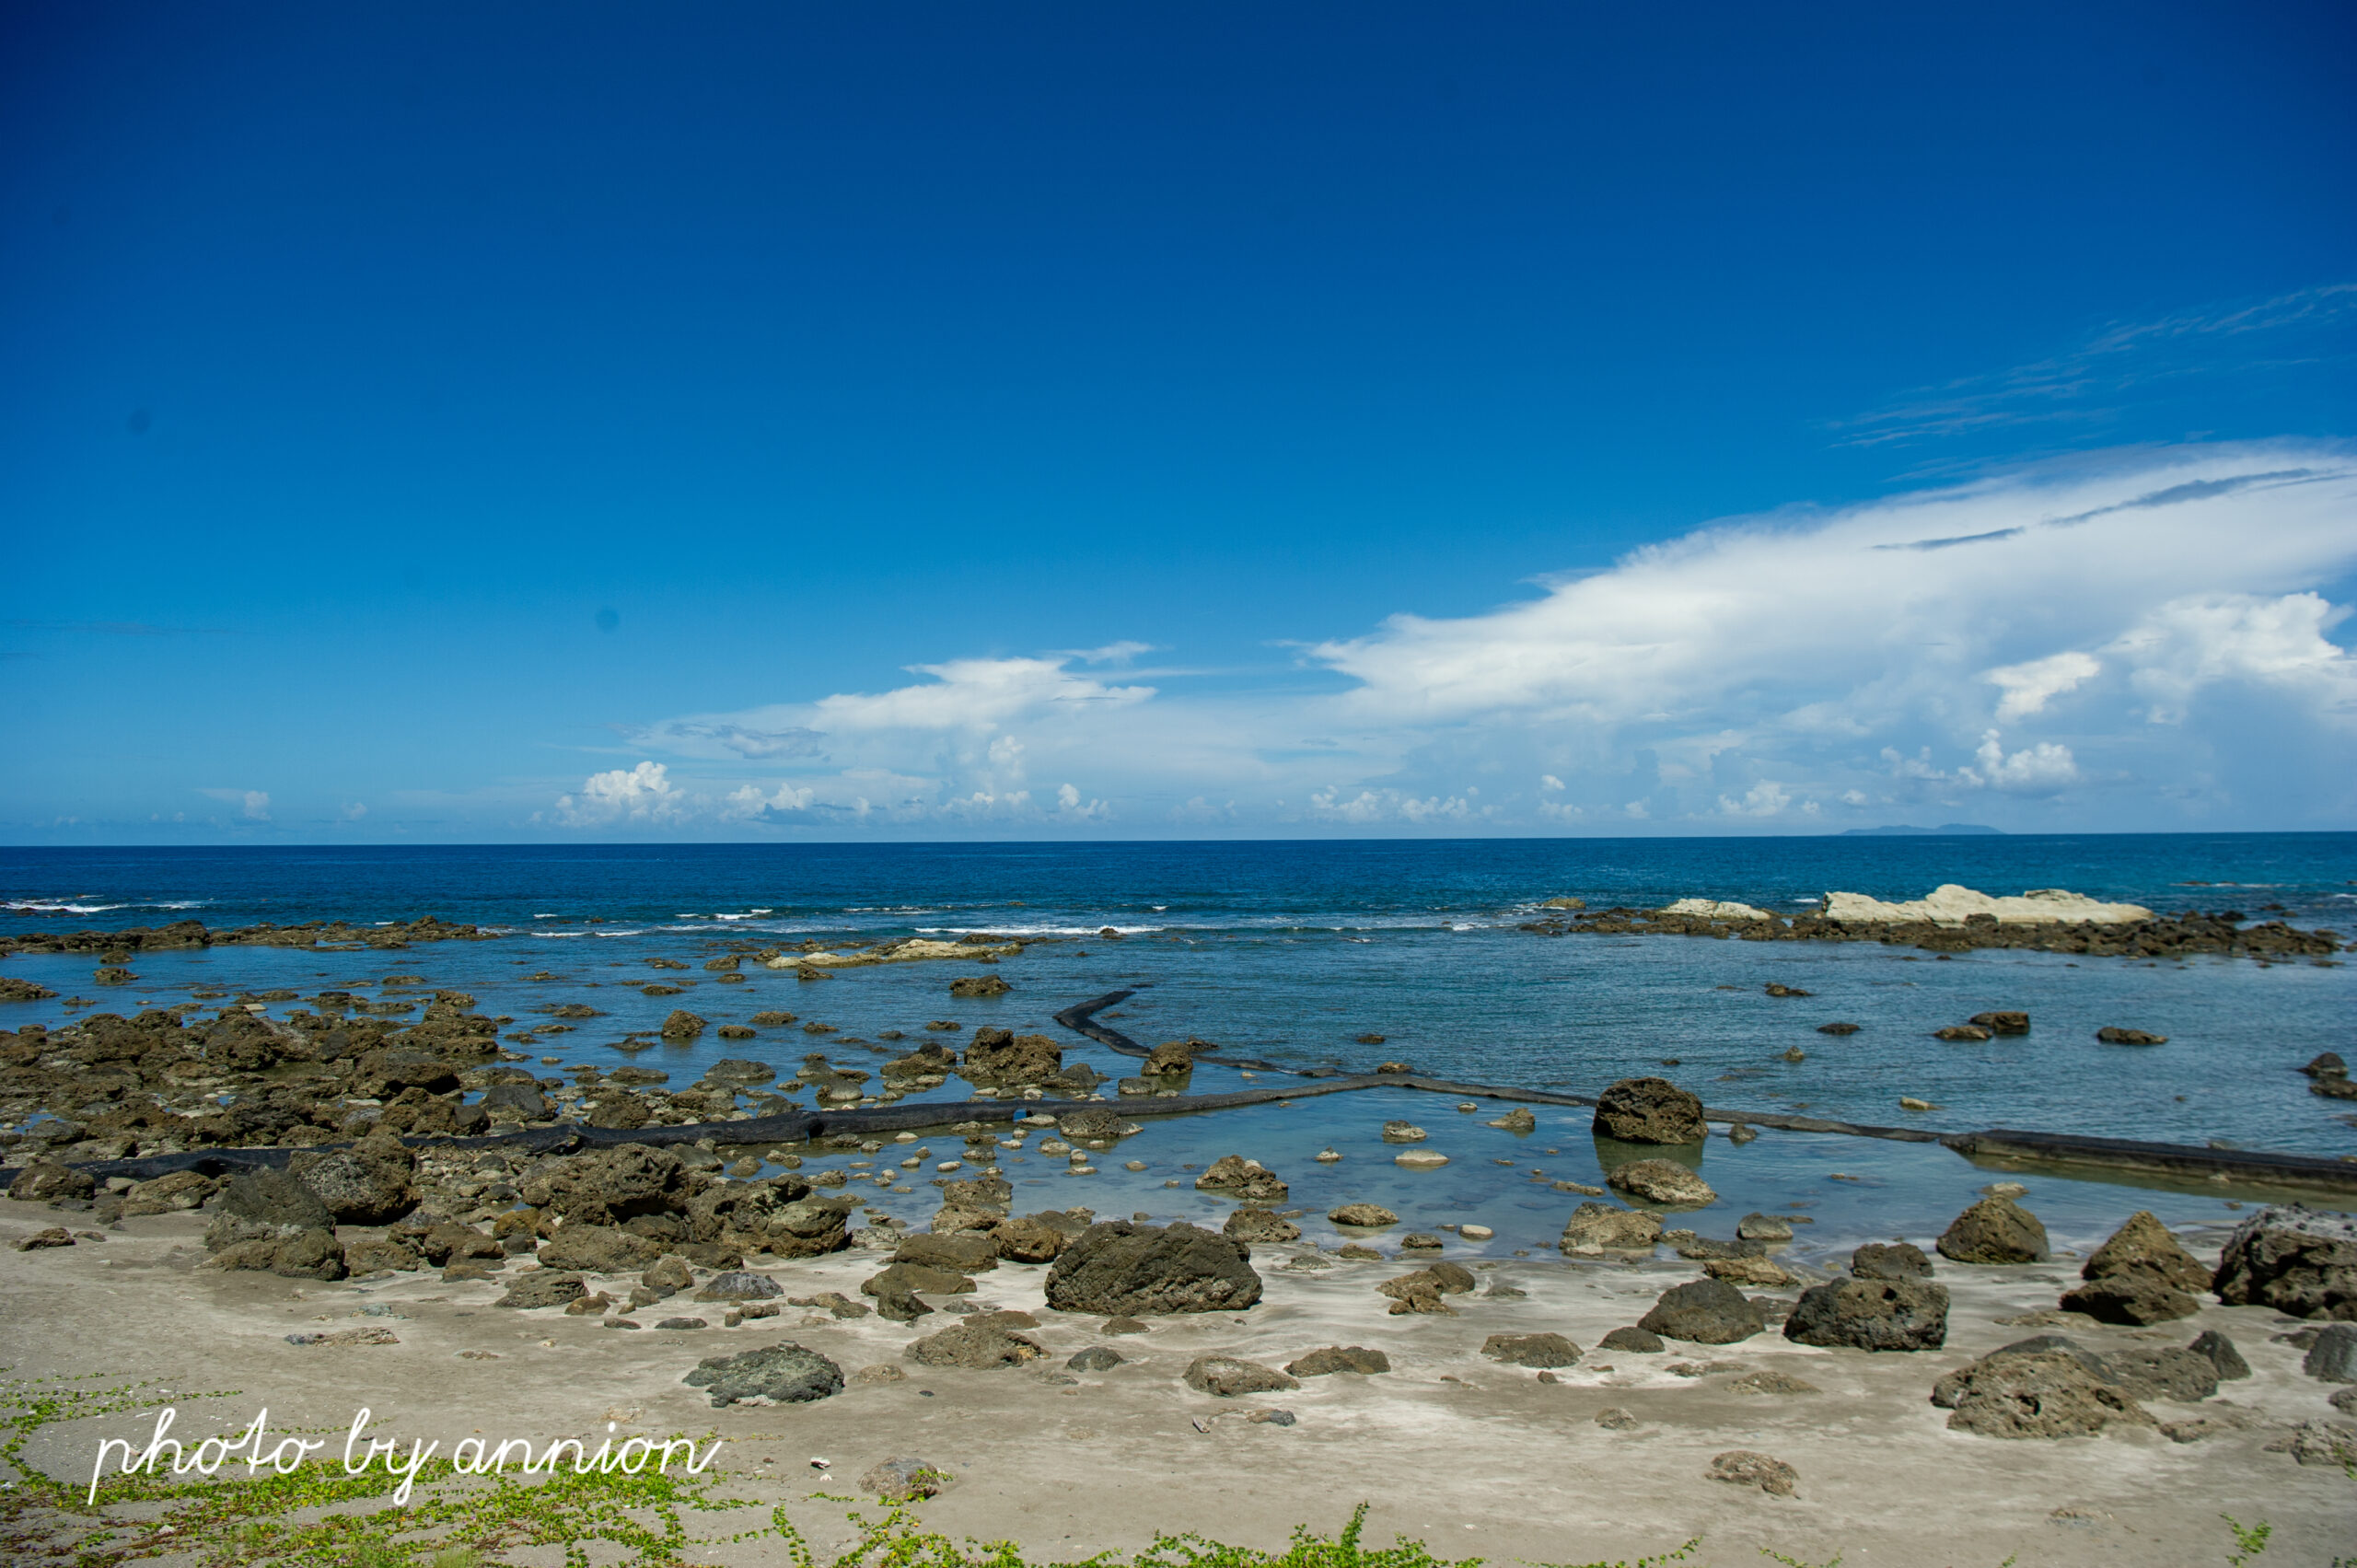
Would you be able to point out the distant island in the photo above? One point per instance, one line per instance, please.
(1904, 831)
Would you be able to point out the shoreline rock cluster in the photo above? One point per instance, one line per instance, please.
(182, 934)
(1851, 918)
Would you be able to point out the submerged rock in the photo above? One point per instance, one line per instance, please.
(1252, 1224)
(1243, 1178)
(1600, 1228)
(1662, 1182)
(1741, 1467)
(1331, 1359)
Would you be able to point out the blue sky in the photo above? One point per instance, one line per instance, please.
(437, 423)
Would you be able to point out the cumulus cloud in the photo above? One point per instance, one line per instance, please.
(641, 795)
(2060, 644)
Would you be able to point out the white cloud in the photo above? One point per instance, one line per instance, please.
(2184, 646)
(1870, 656)
(253, 804)
(1763, 799)
(2041, 768)
(643, 794)
(2029, 687)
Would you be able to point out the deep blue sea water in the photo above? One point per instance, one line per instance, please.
(1290, 951)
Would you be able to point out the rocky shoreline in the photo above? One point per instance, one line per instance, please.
(663, 1277)
(2187, 934)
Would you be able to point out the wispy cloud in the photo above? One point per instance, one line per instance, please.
(2117, 362)
(2091, 634)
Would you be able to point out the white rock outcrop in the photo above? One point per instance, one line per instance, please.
(1714, 909)
(1950, 904)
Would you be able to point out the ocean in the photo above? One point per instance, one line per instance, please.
(1290, 951)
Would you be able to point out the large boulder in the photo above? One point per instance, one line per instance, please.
(1995, 1230)
(1244, 1178)
(1662, 1182)
(1121, 1269)
(45, 1180)
(1873, 1315)
(1600, 1228)
(369, 1183)
(777, 1375)
(2143, 1247)
(1650, 1111)
(609, 1186)
(1709, 1312)
(1225, 1376)
(997, 1055)
(806, 1227)
(2297, 1259)
(2036, 1391)
(741, 1213)
(264, 1205)
(975, 1346)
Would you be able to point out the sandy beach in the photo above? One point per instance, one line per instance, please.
(1474, 1457)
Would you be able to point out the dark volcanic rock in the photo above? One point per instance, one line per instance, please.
(2130, 1036)
(264, 1204)
(2299, 1260)
(1650, 1111)
(1118, 1268)
(2003, 1023)
(1095, 1358)
(1872, 1315)
(1710, 1312)
(998, 1055)
(1638, 1342)
(367, 1184)
(2221, 1354)
(782, 1374)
